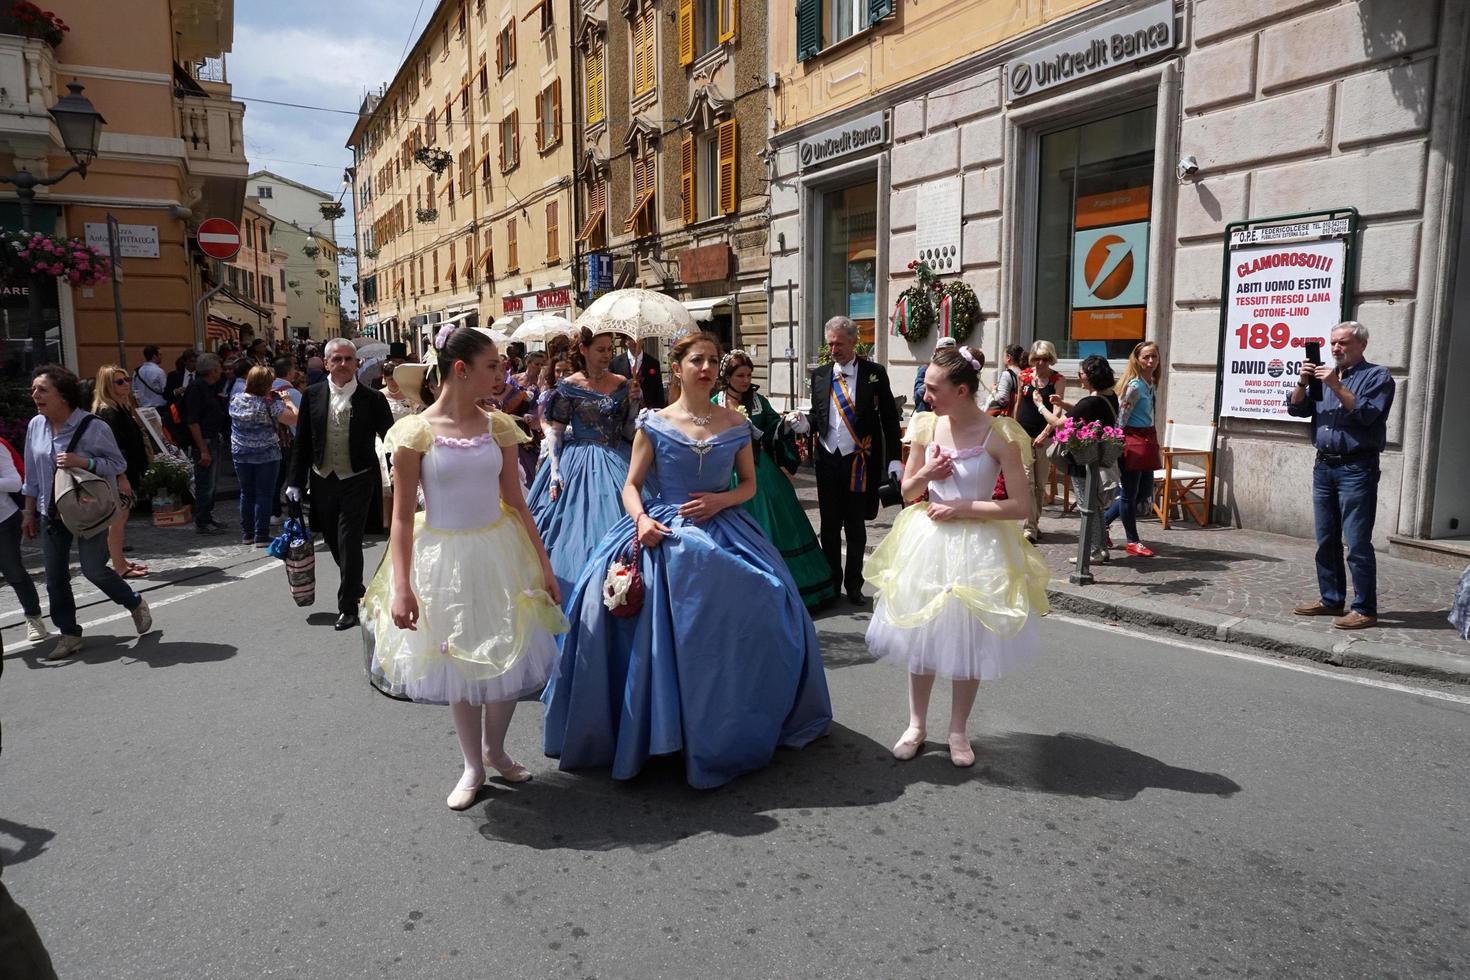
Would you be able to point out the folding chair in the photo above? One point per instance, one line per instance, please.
(1183, 483)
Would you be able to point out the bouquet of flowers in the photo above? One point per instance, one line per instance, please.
(1089, 442)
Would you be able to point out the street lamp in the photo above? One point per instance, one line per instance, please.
(80, 126)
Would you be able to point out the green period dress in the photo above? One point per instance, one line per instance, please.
(776, 509)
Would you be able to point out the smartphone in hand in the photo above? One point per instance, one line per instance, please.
(1314, 356)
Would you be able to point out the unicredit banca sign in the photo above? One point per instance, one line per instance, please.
(861, 135)
(1100, 48)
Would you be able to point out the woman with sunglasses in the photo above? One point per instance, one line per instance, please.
(113, 403)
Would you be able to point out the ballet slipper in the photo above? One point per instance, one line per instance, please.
(909, 745)
(512, 773)
(463, 796)
(960, 751)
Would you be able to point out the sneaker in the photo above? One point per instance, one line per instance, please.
(36, 629)
(1099, 556)
(206, 529)
(143, 617)
(262, 541)
(1139, 550)
(247, 540)
(67, 646)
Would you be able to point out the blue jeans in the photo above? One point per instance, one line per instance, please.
(14, 569)
(1133, 488)
(204, 478)
(56, 550)
(1345, 503)
(257, 494)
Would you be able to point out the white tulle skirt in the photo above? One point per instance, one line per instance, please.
(486, 628)
(958, 598)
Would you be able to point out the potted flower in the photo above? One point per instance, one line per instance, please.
(434, 158)
(166, 483)
(427, 215)
(332, 210)
(1090, 442)
(311, 251)
(27, 254)
(28, 20)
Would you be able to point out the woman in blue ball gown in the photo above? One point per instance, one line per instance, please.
(721, 662)
(575, 496)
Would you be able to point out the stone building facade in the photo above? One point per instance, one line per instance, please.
(671, 125)
(1244, 111)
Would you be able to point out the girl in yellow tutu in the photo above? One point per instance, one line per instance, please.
(958, 586)
(464, 608)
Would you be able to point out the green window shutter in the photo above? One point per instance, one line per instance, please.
(878, 9)
(809, 28)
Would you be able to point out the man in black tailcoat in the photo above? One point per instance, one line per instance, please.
(336, 457)
(855, 421)
(642, 370)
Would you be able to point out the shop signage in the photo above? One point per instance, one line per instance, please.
(709, 263)
(1100, 48)
(547, 299)
(1285, 285)
(134, 241)
(599, 272)
(1110, 233)
(938, 236)
(859, 136)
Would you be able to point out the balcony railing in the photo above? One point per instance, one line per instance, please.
(213, 129)
(27, 92)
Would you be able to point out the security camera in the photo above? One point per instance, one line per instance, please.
(1188, 166)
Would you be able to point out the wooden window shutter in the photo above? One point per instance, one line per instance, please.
(512, 250)
(515, 137)
(452, 273)
(687, 157)
(808, 28)
(686, 32)
(555, 111)
(500, 54)
(553, 233)
(729, 193)
(729, 18)
(504, 146)
(540, 143)
(878, 9)
(593, 70)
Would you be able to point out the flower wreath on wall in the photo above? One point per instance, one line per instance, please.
(928, 302)
(24, 254)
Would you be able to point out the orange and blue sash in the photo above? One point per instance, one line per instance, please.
(848, 411)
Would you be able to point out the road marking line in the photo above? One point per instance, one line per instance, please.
(1301, 668)
(124, 614)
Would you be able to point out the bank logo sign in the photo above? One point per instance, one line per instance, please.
(1120, 41)
(862, 135)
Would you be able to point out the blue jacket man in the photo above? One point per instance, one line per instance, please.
(1349, 430)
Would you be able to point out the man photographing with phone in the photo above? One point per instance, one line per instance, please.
(1349, 430)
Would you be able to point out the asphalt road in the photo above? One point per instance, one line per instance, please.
(228, 798)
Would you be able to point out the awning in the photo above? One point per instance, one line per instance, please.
(506, 323)
(639, 206)
(704, 310)
(593, 225)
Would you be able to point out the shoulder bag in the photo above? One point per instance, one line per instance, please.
(84, 501)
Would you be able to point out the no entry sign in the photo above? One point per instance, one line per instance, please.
(219, 238)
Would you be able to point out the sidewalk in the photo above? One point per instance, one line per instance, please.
(1239, 587)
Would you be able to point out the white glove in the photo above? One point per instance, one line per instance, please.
(799, 423)
(895, 470)
(293, 494)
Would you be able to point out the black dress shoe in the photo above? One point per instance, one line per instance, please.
(345, 621)
(858, 599)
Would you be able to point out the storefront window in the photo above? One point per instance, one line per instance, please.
(850, 256)
(1092, 235)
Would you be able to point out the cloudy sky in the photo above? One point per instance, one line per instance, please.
(321, 59)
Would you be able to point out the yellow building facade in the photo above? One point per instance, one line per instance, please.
(462, 178)
(171, 154)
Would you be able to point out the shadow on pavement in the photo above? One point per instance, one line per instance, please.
(33, 841)
(844, 649)
(1069, 764)
(321, 619)
(588, 811)
(152, 650)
